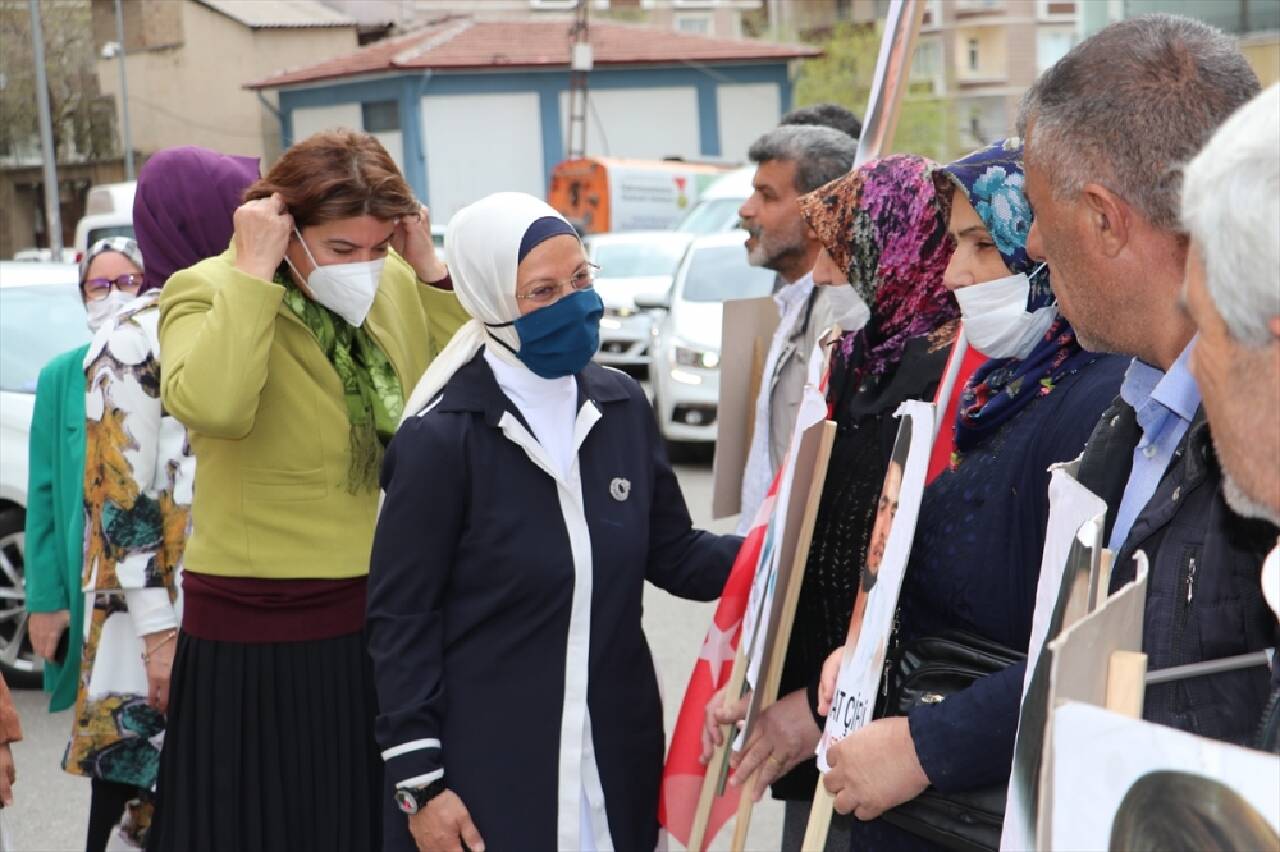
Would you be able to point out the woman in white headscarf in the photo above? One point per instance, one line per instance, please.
(527, 499)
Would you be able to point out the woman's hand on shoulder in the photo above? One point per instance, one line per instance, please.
(444, 825)
(413, 242)
(262, 230)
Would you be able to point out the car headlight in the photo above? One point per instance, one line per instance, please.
(689, 357)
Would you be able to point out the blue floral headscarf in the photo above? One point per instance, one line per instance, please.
(992, 179)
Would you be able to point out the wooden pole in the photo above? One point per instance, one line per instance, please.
(815, 832)
(1126, 683)
(719, 758)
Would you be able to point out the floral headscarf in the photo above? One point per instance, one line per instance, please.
(884, 224)
(992, 179)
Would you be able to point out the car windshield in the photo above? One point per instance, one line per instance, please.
(717, 273)
(637, 260)
(37, 323)
(712, 216)
(107, 232)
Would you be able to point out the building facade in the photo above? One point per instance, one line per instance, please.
(473, 106)
(718, 18)
(187, 62)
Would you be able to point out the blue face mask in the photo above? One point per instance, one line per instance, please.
(560, 339)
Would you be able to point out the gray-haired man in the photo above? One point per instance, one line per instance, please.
(790, 161)
(1107, 129)
(1231, 207)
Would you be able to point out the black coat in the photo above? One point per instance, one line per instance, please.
(1204, 601)
(472, 597)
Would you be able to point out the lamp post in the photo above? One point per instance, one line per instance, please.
(116, 49)
(52, 212)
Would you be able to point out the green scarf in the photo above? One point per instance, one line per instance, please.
(370, 386)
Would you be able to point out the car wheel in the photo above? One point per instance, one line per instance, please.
(18, 662)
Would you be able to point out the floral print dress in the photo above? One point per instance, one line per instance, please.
(139, 476)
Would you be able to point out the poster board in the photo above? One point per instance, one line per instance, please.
(760, 633)
(1067, 565)
(871, 623)
(1079, 667)
(747, 334)
(1131, 784)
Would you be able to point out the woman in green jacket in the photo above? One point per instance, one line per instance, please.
(54, 533)
(289, 359)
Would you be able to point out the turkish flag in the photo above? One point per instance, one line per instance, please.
(682, 776)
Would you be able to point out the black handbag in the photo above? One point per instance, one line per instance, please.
(926, 671)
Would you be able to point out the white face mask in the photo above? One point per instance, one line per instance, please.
(347, 289)
(996, 320)
(104, 309)
(848, 309)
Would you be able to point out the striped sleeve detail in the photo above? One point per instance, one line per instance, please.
(412, 745)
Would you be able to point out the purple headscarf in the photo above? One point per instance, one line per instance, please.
(183, 206)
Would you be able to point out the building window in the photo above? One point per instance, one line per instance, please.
(975, 126)
(693, 24)
(380, 116)
(926, 64)
(974, 59)
(844, 10)
(555, 5)
(1052, 45)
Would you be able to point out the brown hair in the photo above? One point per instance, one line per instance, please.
(1168, 811)
(337, 174)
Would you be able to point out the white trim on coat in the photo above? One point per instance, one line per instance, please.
(412, 745)
(576, 747)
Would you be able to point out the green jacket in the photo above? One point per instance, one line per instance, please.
(54, 547)
(267, 420)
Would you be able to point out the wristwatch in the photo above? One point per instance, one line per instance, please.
(410, 800)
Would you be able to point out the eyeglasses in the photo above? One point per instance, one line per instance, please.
(97, 289)
(544, 292)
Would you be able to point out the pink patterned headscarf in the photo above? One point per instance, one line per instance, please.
(886, 226)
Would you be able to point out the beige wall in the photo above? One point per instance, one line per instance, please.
(1263, 53)
(192, 94)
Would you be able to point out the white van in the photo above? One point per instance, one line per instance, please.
(108, 212)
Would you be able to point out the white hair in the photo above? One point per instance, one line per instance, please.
(1231, 208)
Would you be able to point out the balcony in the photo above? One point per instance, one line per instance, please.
(978, 8)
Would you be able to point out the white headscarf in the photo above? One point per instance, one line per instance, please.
(483, 247)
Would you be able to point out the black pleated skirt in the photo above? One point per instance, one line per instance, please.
(269, 748)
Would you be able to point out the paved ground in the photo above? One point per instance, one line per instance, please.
(51, 807)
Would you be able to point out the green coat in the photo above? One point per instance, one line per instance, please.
(54, 550)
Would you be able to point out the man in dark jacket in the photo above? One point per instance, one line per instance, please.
(1230, 208)
(1104, 128)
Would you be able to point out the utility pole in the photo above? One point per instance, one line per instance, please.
(124, 95)
(52, 212)
(580, 64)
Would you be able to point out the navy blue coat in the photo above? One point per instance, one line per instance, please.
(471, 590)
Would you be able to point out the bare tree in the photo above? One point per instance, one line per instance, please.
(83, 119)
